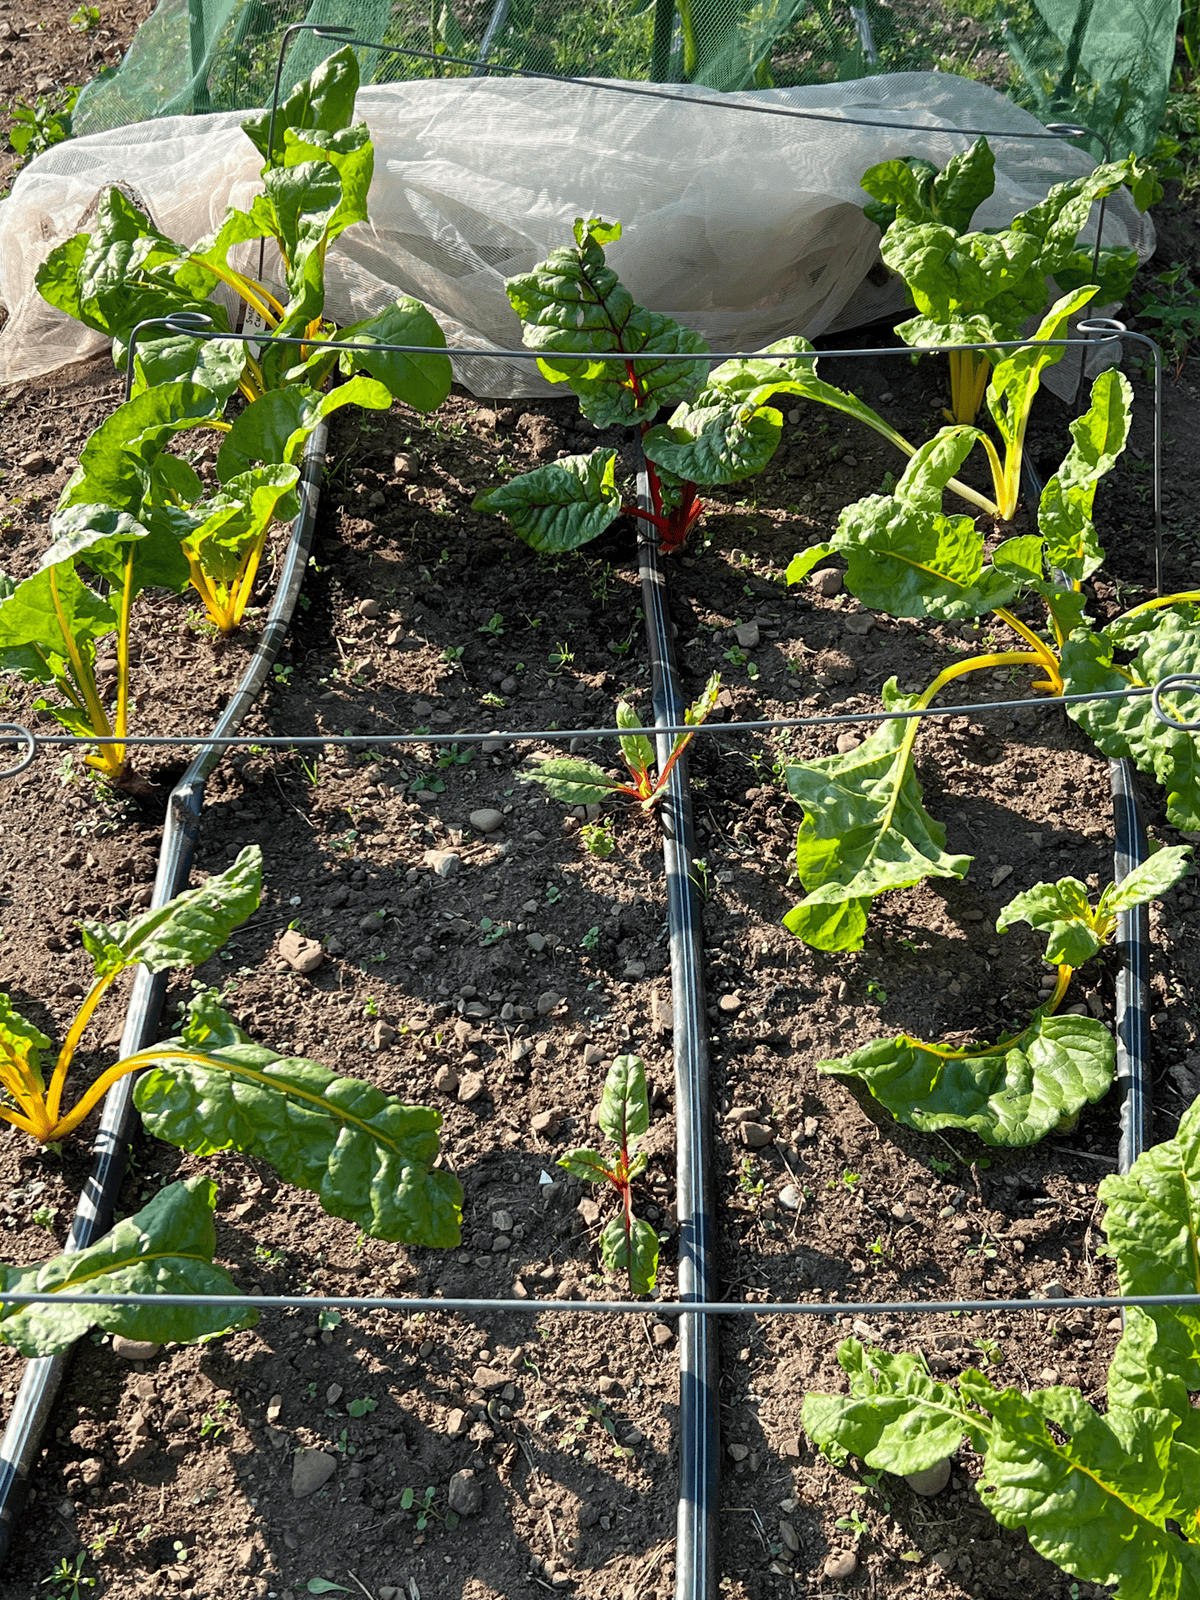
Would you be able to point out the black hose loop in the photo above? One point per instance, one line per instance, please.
(696, 1570)
(43, 1376)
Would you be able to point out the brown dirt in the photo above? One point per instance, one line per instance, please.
(532, 963)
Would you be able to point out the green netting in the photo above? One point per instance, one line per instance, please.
(1103, 63)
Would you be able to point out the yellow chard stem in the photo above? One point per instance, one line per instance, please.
(92, 1098)
(1187, 595)
(85, 682)
(83, 1016)
(121, 727)
(241, 590)
(1048, 659)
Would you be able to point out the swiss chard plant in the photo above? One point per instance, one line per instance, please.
(970, 287)
(318, 165)
(628, 1243)
(1109, 1497)
(574, 301)
(1024, 1086)
(365, 1155)
(576, 782)
(865, 827)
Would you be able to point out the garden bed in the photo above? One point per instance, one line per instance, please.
(494, 970)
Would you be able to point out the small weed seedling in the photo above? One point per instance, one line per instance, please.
(591, 938)
(598, 839)
(627, 1243)
(68, 1578)
(576, 782)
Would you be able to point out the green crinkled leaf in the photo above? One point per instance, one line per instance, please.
(1169, 643)
(230, 524)
(562, 505)
(636, 749)
(574, 301)
(165, 1248)
(350, 153)
(906, 558)
(118, 463)
(21, 1044)
(865, 831)
(715, 444)
(1017, 378)
(277, 426)
(364, 1154)
(184, 932)
(1149, 881)
(635, 1253)
(571, 780)
(1062, 910)
(966, 181)
(324, 100)
(899, 186)
(211, 364)
(1094, 1495)
(1020, 558)
(420, 381)
(587, 1165)
(895, 1418)
(1065, 511)
(120, 548)
(1153, 1228)
(32, 637)
(625, 1105)
(1011, 1095)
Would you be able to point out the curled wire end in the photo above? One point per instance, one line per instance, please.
(15, 733)
(187, 321)
(1105, 330)
(1176, 680)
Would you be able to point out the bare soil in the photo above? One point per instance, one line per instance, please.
(517, 958)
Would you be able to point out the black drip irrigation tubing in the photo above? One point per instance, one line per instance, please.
(696, 1572)
(1132, 1023)
(43, 1376)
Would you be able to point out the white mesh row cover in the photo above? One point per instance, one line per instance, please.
(746, 227)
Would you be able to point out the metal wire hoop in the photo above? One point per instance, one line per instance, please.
(22, 736)
(1176, 680)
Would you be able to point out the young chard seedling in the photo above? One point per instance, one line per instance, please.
(627, 1243)
(576, 782)
(1018, 1090)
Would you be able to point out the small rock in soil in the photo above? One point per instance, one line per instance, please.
(999, 876)
(1054, 1290)
(546, 1003)
(546, 1124)
(859, 622)
(747, 635)
(274, 1408)
(384, 1035)
(311, 1469)
(446, 863)
(368, 608)
(828, 581)
(134, 1349)
(465, 1495)
(662, 1334)
(456, 1422)
(789, 1536)
(486, 820)
(930, 1482)
(301, 954)
(756, 1134)
(489, 1378)
(406, 465)
(470, 1088)
(789, 1197)
(35, 461)
(729, 1004)
(738, 1452)
(847, 742)
(502, 1221)
(371, 923)
(841, 1564)
(92, 1472)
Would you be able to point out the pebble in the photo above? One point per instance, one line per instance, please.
(302, 954)
(396, 635)
(841, 1564)
(134, 1349)
(546, 1124)
(486, 820)
(662, 1334)
(789, 1536)
(932, 1480)
(747, 635)
(35, 461)
(729, 1004)
(859, 622)
(546, 1002)
(1050, 1375)
(371, 923)
(470, 1088)
(445, 1080)
(1054, 1290)
(755, 1135)
(999, 876)
(738, 1452)
(502, 1221)
(405, 465)
(456, 1422)
(465, 1494)
(634, 969)
(368, 608)
(383, 1035)
(536, 942)
(446, 863)
(827, 581)
(789, 1197)
(901, 1212)
(311, 1469)
(274, 1408)
(486, 1378)
(92, 1472)
(847, 741)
